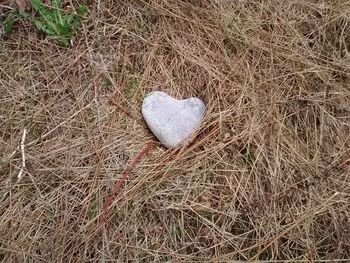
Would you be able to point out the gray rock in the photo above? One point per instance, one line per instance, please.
(172, 121)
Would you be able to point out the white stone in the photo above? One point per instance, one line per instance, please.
(172, 121)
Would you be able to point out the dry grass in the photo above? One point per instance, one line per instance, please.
(266, 178)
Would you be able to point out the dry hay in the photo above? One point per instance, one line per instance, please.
(266, 178)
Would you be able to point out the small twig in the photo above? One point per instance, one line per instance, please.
(20, 174)
(13, 153)
(6, 6)
(145, 149)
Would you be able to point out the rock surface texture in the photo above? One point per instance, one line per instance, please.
(172, 121)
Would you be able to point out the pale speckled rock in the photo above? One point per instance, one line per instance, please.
(172, 121)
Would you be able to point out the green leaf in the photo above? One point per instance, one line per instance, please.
(8, 27)
(41, 9)
(58, 11)
(54, 22)
(57, 4)
(82, 10)
(8, 23)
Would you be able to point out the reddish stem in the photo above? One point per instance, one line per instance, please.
(145, 149)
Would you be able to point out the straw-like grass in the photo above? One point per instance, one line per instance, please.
(265, 178)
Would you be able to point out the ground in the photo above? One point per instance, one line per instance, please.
(265, 178)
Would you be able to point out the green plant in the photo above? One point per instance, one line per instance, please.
(7, 23)
(54, 22)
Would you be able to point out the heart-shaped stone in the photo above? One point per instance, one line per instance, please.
(172, 121)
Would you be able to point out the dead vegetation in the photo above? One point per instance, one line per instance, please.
(266, 178)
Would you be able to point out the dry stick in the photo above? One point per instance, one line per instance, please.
(145, 149)
(20, 174)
